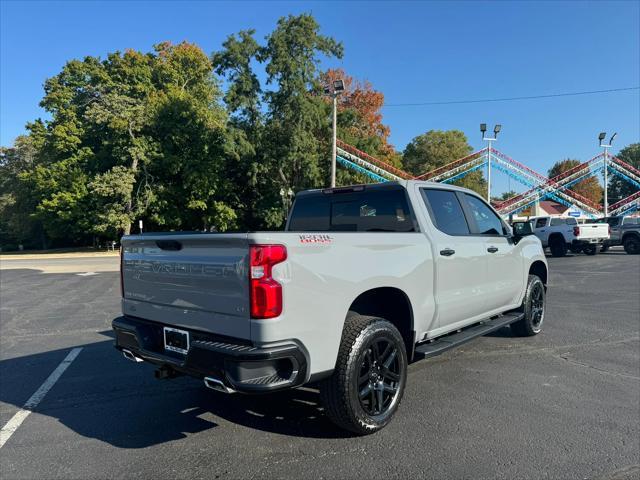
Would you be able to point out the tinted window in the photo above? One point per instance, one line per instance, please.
(370, 210)
(563, 221)
(630, 221)
(613, 221)
(541, 222)
(487, 221)
(446, 211)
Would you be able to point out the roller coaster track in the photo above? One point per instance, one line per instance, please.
(540, 187)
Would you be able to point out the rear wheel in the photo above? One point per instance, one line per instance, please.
(632, 245)
(590, 249)
(368, 382)
(558, 247)
(533, 307)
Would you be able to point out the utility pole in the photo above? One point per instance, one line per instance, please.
(606, 147)
(333, 90)
(483, 129)
(334, 141)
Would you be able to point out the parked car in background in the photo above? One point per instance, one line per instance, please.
(363, 280)
(624, 231)
(561, 234)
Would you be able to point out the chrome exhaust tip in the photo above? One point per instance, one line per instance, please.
(217, 385)
(130, 356)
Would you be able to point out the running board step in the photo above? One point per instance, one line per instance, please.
(442, 344)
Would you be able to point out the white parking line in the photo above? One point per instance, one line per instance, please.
(15, 422)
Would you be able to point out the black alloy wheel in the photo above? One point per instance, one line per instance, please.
(379, 379)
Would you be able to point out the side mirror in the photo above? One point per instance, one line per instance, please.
(521, 229)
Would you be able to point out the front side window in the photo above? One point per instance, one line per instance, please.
(487, 221)
(446, 211)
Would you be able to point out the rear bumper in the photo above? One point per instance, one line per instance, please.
(588, 241)
(239, 365)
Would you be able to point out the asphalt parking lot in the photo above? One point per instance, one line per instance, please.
(562, 405)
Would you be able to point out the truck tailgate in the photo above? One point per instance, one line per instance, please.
(590, 231)
(197, 281)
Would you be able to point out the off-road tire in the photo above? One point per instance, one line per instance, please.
(558, 247)
(531, 324)
(632, 245)
(341, 392)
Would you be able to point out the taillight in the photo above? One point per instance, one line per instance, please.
(121, 272)
(576, 231)
(609, 229)
(265, 292)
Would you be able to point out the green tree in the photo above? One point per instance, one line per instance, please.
(589, 187)
(618, 187)
(17, 222)
(247, 172)
(296, 139)
(138, 135)
(504, 196)
(436, 148)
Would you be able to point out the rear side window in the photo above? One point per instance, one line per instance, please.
(541, 222)
(487, 221)
(446, 211)
(370, 210)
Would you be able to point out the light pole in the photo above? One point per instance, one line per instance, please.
(606, 147)
(483, 129)
(336, 87)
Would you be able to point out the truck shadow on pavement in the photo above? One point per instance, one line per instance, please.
(125, 406)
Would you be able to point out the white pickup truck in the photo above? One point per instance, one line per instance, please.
(560, 234)
(364, 280)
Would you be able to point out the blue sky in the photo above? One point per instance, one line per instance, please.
(411, 51)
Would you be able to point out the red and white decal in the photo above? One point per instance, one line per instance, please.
(316, 238)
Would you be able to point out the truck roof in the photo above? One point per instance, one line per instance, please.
(382, 186)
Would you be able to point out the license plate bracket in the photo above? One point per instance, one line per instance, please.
(176, 340)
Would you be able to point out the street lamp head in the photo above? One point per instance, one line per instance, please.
(483, 127)
(612, 137)
(338, 86)
(496, 129)
(601, 136)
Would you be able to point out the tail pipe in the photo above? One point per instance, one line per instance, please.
(129, 355)
(215, 384)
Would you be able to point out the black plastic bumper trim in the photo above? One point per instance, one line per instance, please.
(210, 355)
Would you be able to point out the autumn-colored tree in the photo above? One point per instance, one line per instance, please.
(360, 116)
(589, 187)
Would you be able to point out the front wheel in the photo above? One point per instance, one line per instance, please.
(533, 307)
(368, 382)
(632, 245)
(604, 248)
(558, 247)
(590, 249)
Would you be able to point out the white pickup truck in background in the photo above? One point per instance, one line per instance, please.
(560, 234)
(363, 280)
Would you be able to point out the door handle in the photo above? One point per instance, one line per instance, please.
(492, 249)
(447, 252)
